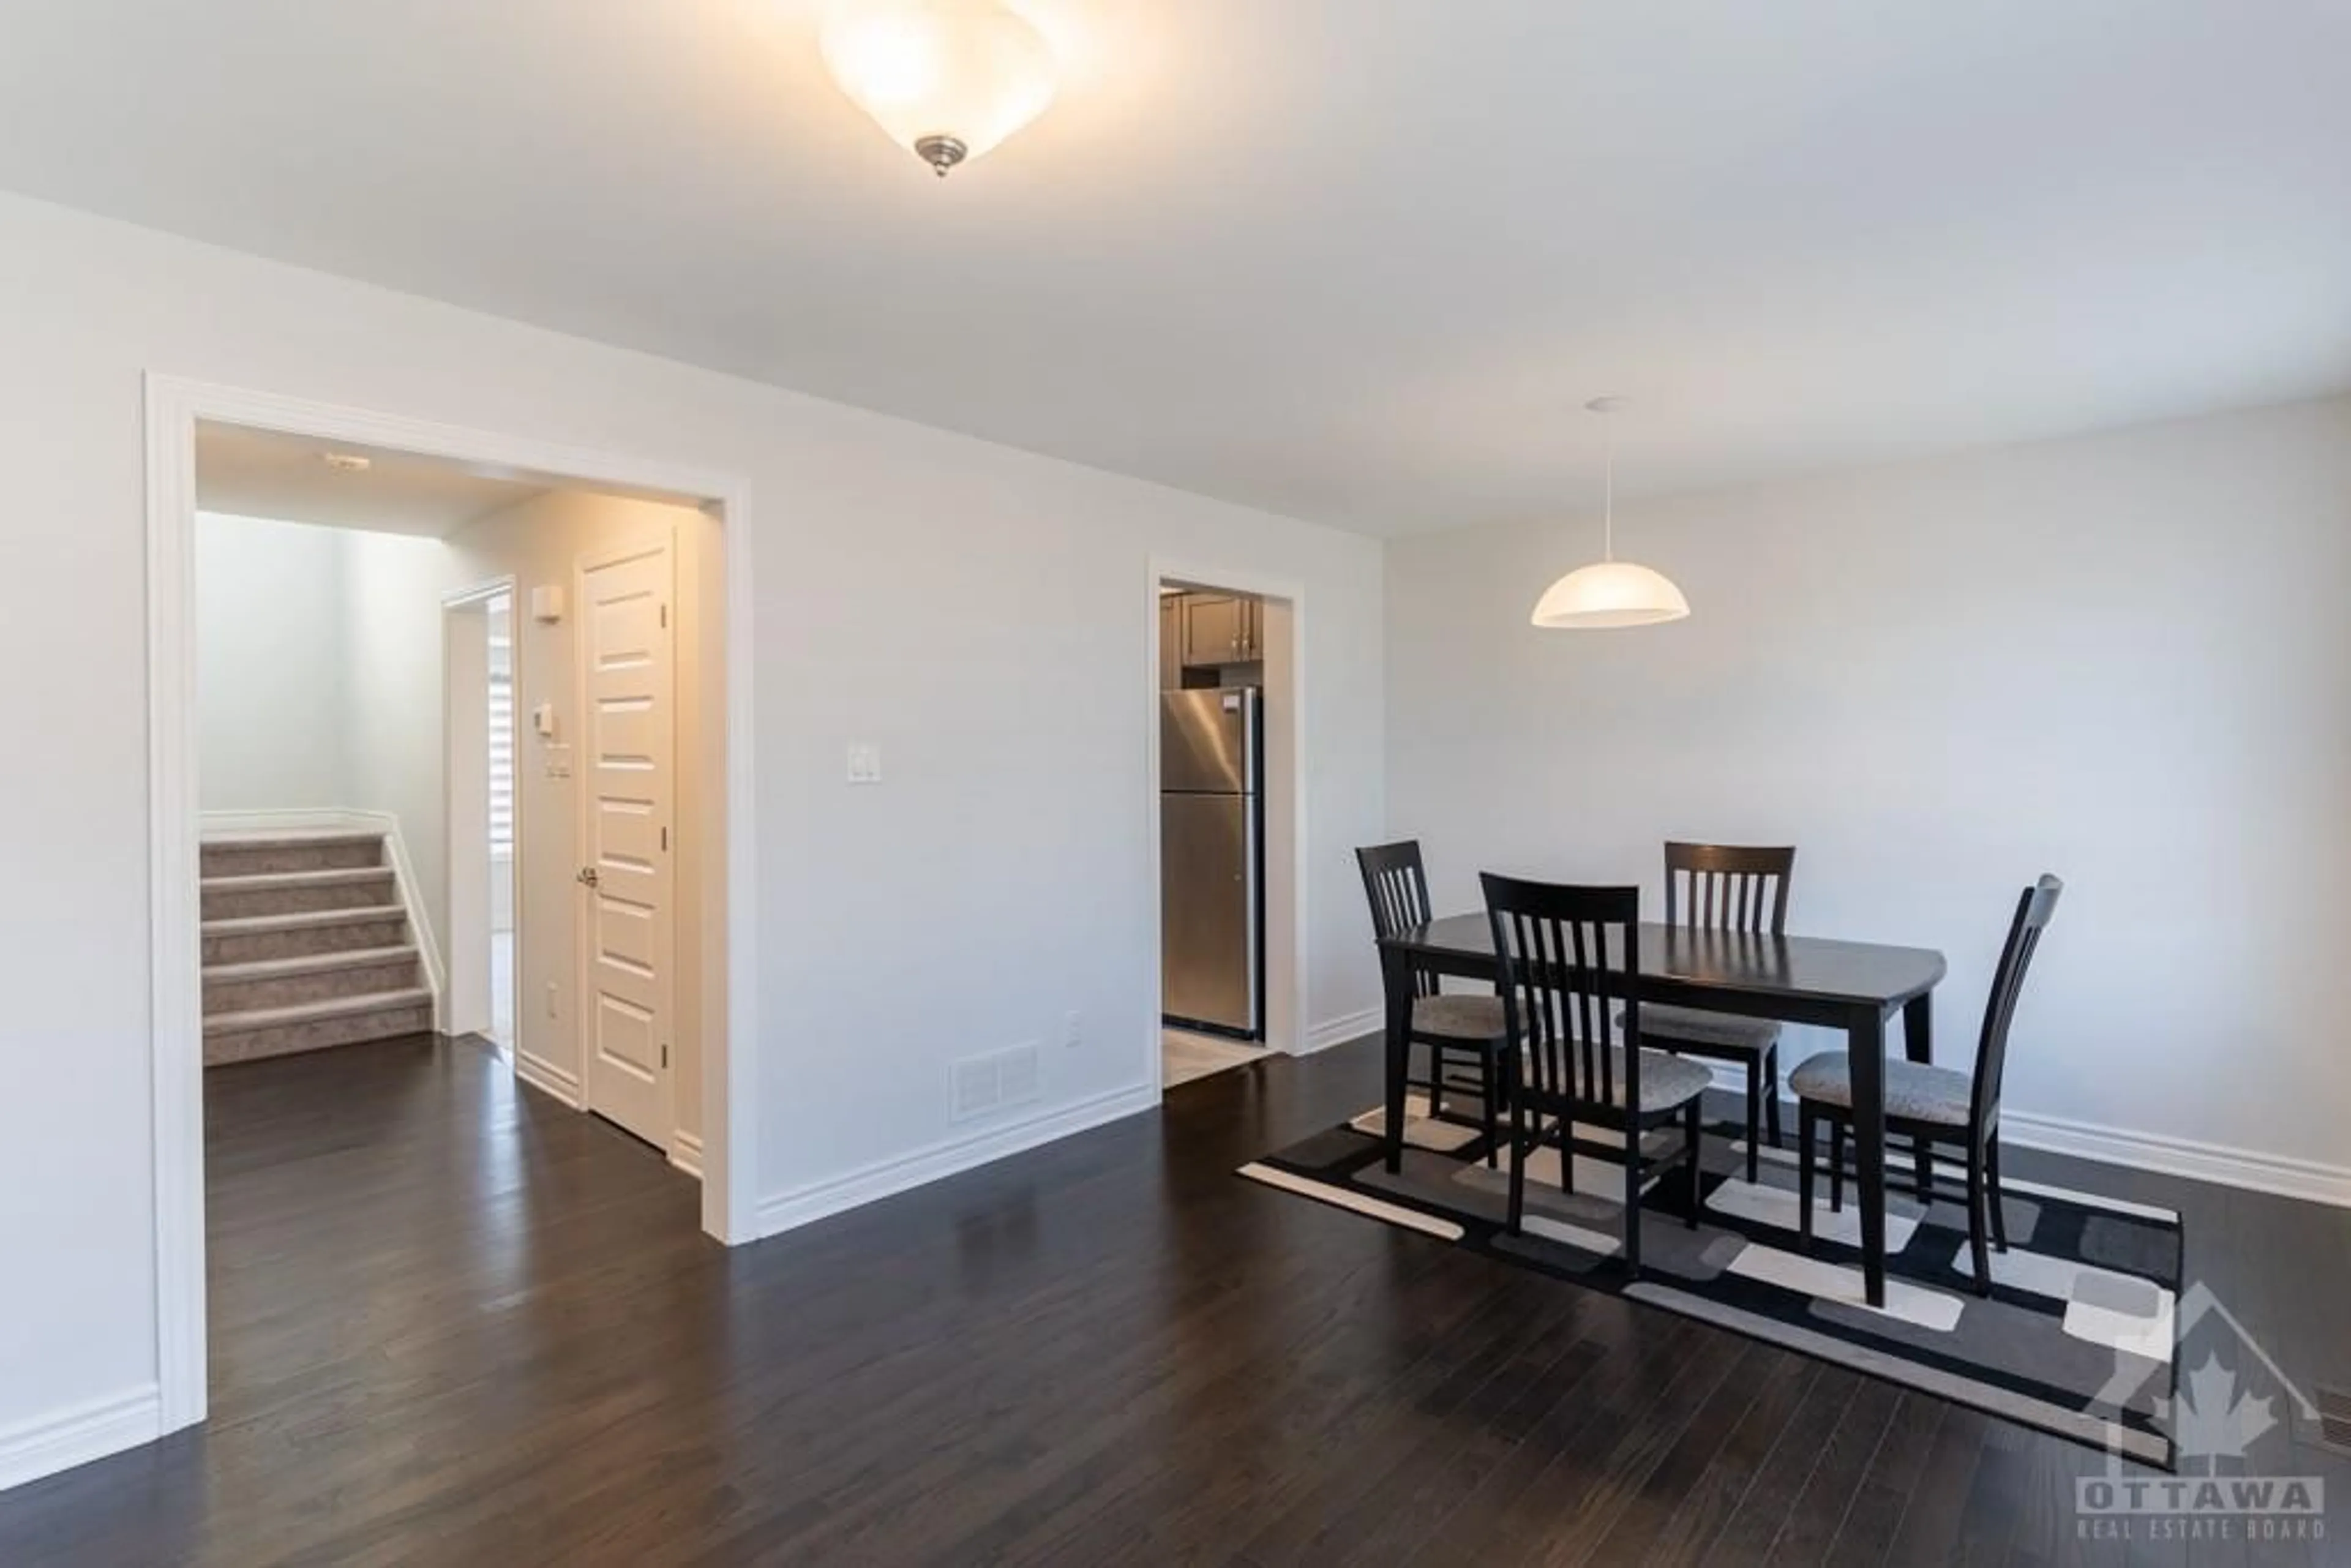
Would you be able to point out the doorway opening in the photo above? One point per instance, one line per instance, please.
(399, 723)
(1227, 817)
(478, 653)
(359, 770)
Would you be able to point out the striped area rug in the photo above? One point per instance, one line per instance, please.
(2078, 1337)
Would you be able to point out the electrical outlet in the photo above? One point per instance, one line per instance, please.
(864, 762)
(1073, 1030)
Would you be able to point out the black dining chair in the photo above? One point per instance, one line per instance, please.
(1461, 1027)
(1728, 887)
(1935, 1104)
(1567, 954)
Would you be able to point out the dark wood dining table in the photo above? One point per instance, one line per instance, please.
(1856, 987)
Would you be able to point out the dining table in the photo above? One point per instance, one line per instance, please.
(1854, 986)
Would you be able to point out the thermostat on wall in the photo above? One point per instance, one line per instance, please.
(547, 603)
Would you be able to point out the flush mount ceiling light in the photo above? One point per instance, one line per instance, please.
(347, 462)
(948, 80)
(1610, 592)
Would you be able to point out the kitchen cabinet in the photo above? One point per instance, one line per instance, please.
(1219, 629)
(1171, 643)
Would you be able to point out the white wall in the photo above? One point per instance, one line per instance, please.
(2125, 659)
(392, 585)
(269, 664)
(979, 612)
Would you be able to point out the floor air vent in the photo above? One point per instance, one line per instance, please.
(977, 1085)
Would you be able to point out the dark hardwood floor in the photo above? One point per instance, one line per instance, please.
(454, 1323)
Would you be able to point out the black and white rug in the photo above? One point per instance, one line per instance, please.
(2077, 1337)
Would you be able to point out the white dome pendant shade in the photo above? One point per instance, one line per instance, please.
(948, 80)
(1610, 592)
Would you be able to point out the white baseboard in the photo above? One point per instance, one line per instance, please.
(550, 1080)
(328, 819)
(686, 1153)
(953, 1156)
(2281, 1174)
(1343, 1028)
(75, 1436)
(2215, 1163)
(284, 820)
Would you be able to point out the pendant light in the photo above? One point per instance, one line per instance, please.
(1611, 593)
(946, 78)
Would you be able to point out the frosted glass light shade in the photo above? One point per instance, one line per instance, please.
(948, 80)
(1610, 593)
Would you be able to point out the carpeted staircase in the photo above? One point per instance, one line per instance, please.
(305, 945)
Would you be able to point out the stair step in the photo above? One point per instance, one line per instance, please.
(282, 982)
(314, 1012)
(290, 891)
(305, 963)
(261, 937)
(300, 919)
(233, 854)
(315, 1026)
(323, 876)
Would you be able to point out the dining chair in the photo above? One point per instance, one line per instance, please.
(1737, 888)
(1565, 955)
(1459, 1026)
(1935, 1104)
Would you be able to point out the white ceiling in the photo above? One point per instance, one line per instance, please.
(1355, 260)
(258, 473)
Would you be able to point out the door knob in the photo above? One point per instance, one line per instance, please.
(588, 877)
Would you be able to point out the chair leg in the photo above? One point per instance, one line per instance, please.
(1435, 1079)
(1632, 1197)
(1807, 1129)
(1836, 1166)
(1691, 1131)
(1754, 1117)
(1976, 1251)
(1493, 1098)
(1771, 1093)
(1567, 1152)
(1518, 1163)
(1992, 1184)
(1923, 1157)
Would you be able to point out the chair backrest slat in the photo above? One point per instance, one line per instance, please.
(1397, 884)
(1568, 958)
(2034, 908)
(1728, 887)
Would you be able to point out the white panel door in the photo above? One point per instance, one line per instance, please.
(627, 791)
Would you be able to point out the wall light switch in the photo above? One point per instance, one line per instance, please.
(864, 762)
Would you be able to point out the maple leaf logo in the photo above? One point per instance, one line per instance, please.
(2211, 1419)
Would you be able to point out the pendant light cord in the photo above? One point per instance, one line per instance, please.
(1608, 510)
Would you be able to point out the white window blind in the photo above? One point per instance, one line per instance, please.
(502, 746)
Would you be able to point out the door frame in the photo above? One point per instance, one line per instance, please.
(474, 600)
(1287, 1027)
(173, 406)
(583, 944)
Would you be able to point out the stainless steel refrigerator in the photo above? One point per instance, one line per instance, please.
(1211, 861)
